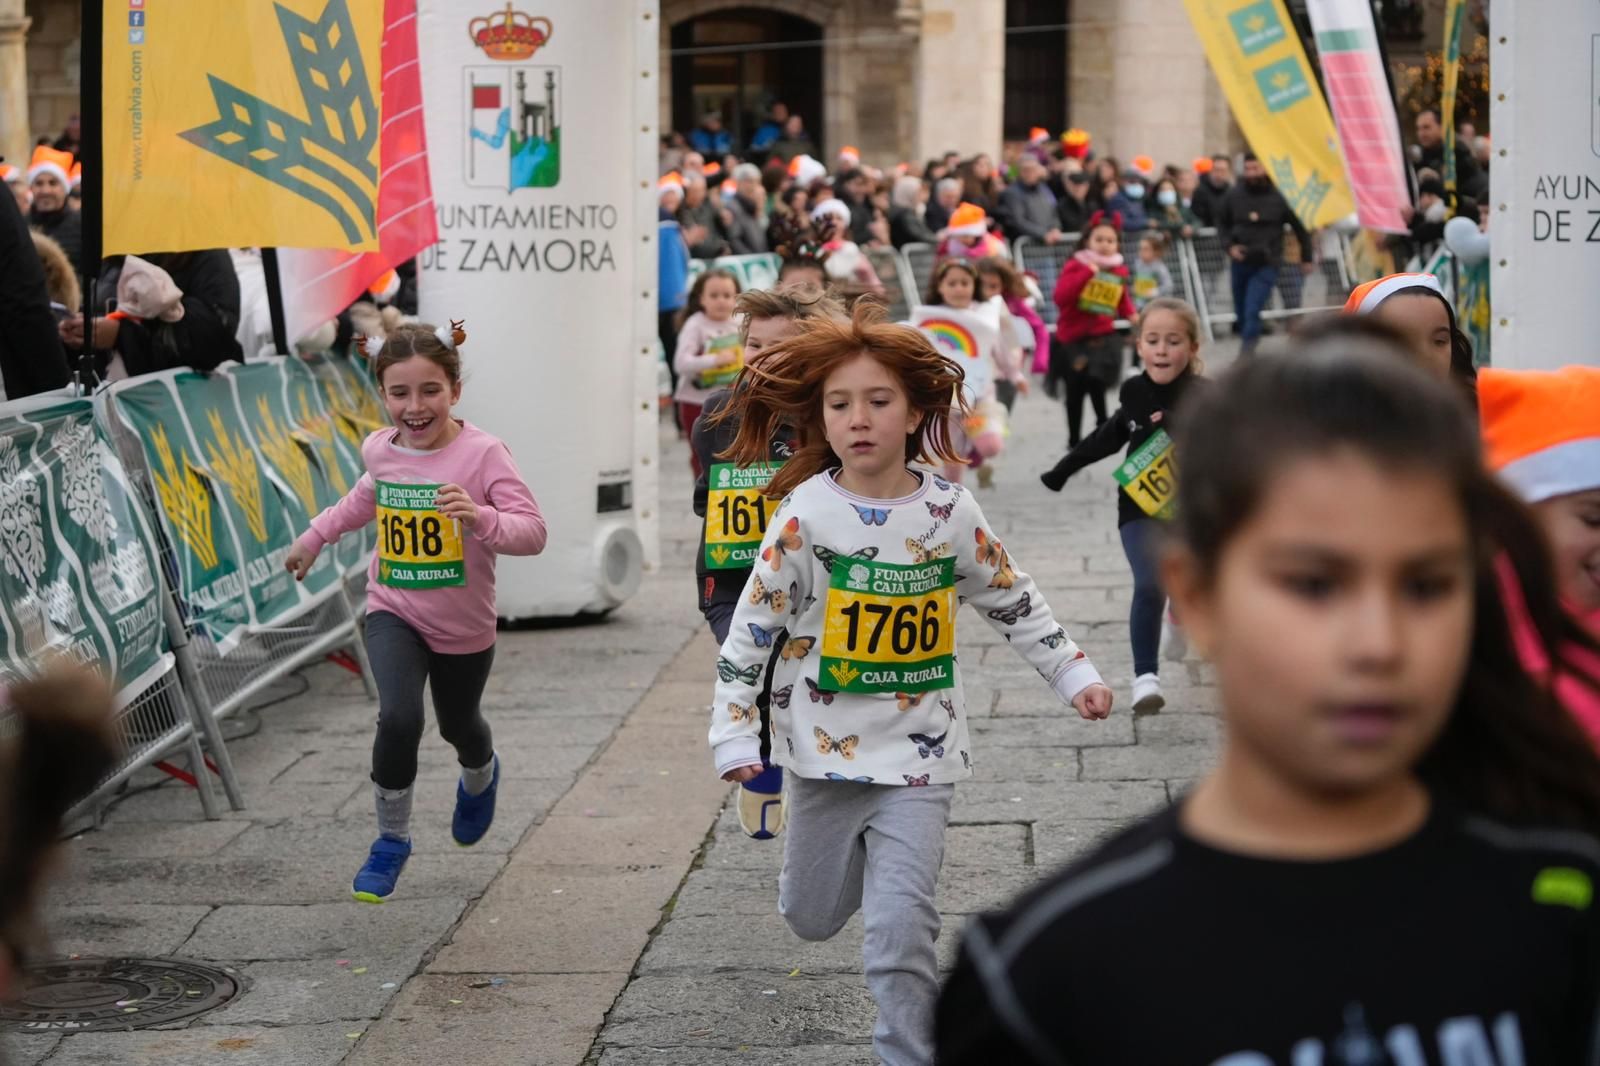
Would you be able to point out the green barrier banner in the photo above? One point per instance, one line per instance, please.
(757, 271)
(77, 562)
(256, 513)
(350, 420)
(288, 463)
(339, 459)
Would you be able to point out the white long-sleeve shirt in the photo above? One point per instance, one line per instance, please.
(866, 591)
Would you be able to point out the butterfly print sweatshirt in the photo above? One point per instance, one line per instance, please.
(457, 620)
(819, 729)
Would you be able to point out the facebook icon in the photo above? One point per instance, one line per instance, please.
(136, 18)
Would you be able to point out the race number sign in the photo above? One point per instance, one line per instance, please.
(719, 376)
(889, 628)
(737, 514)
(418, 547)
(1102, 295)
(1150, 476)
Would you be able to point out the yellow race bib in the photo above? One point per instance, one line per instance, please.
(418, 547)
(1150, 476)
(889, 628)
(1102, 295)
(737, 513)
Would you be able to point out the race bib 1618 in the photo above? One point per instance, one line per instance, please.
(737, 514)
(418, 547)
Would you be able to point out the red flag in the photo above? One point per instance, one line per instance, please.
(318, 283)
(486, 97)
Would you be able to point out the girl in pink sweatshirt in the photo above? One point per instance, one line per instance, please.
(448, 499)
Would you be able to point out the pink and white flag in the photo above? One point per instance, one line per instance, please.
(1363, 110)
(318, 283)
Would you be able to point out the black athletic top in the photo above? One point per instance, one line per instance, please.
(1143, 408)
(1469, 944)
(718, 586)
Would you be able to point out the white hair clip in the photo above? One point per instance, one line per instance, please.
(443, 333)
(372, 345)
(452, 336)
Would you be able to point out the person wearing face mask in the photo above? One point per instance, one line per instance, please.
(1170, 213)
(1129, 202)
(1251, 222)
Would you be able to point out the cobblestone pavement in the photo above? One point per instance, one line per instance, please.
(616, 914)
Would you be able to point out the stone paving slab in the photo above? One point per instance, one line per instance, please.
(818, 1055)
(208, 1045)
(313, 992)
(731, 1010)
(343, 930)
(26, 1049)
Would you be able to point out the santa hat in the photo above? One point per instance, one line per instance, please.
(1364, 299)
(1202, 164)
(672, 182)
(47, 160)
(711, 169)
(1038, 135)
(75, 175)
(1144, 165)
(831, 208)
(7, 172)
(729, 189)
(1541, 429)
(805, 170)
(386, 287)
(969, 220)
(850, 152)
(1075, 143)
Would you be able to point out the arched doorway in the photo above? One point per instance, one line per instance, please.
(738, 61)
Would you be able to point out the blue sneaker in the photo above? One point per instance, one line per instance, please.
(382, 869)
(761, 807)
(474, 814)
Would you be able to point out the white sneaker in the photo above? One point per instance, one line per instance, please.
(1174, 645)
(1147, 698)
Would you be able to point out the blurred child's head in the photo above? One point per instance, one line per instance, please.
(1336, 534)
(775, 315)
(1151, 248)
(997, 277)
(1541, 431)
(1103, 236)
(1416, 307)
(1168, 338)
(955, 283)
(713, 294)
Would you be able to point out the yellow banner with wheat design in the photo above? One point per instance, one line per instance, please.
(241, 124)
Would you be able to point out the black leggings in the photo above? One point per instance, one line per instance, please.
(401, 662)
(1081, 383)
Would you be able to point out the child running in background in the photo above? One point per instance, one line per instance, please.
(1151, 278)
(980, 435)
(448, 498)
(1393, 859)
(997, 277)
(1541, 430)
(729, 498)
(862, 568)
(1091, 294)
(1168, 337)
(709, 355)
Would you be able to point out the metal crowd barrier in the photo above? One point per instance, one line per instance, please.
(899, 289)
(70, 480)
(1294, 294)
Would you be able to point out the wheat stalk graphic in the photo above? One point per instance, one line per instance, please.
(319, 427)
(287, 455)
(235, 464)
(184, 499)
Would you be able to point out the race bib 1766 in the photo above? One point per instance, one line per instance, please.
(889, 628)
(1150, 476)
(418, 547)
(737, 513)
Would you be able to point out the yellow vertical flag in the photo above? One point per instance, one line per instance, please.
(241, 124)
(1256, 55)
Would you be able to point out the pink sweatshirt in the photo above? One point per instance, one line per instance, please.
(457, 620)
(691, 360)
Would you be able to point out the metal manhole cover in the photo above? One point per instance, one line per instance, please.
(83, 995)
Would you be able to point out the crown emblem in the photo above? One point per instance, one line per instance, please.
(844, 673)
(720, 554)
(509, 35)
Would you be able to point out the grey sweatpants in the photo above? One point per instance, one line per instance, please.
(877, 849)
(401, 663)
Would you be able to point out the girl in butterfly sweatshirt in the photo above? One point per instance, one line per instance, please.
(862, 568)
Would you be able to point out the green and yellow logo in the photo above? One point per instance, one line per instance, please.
(720, 554)
(184, 499)
(844, 673)
(1256, 27)
(1282, 84)
(234, 464)
(330, 158)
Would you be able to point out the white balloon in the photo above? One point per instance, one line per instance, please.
(1466, 240)
(1349, 225)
